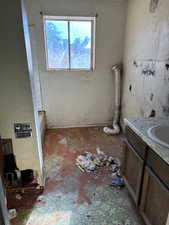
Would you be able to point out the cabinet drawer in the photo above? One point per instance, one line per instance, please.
(160, 168)
(136, 142)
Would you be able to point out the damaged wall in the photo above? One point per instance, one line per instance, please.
(146, 59)
(81, 98)
(15, 91)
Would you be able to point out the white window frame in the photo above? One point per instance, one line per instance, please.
(72, 18)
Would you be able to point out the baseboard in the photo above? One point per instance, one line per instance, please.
(109, 123)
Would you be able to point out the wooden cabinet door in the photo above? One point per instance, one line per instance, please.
(132, 171)
(154, 206)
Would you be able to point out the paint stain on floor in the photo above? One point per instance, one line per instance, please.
(74, 198)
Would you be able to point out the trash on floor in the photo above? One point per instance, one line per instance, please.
(63, 141)
(86, 162)
(18, 196)
(41, 198)
(89, 162)
(12, 213)
(117, 181)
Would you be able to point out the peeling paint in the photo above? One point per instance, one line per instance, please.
(167, 66)
(146, 60)
(153, 5)
(153, 113)
(148, 72)
(135, 63)
(147, 66)
(166, 110)
(130, 87)
(151, 97)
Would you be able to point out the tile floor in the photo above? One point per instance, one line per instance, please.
(74, 198)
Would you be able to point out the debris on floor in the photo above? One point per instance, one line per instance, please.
(63, 141)
(18, 196)
(117, 181)
(89, 162)
(41, 199)
(12, 213)
(71, 196)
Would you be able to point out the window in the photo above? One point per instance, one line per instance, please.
(69, 42)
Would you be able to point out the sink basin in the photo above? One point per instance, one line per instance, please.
(159, 134)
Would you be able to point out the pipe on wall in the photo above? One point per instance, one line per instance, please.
(116, 69)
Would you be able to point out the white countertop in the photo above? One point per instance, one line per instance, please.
(140, 127)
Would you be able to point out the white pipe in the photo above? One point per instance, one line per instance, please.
(116, 128)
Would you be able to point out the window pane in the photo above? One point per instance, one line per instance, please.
(57, 43)
(80, 44)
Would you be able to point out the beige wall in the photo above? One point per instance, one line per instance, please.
(81, 98)
(147, 38)
(15, 92)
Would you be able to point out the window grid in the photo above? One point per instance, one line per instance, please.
(70, 19)
(69, 44)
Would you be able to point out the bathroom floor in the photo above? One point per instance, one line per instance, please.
(72, 197)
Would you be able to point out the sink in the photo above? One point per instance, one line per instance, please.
(159, 134)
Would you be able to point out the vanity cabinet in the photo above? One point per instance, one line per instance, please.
(132, 171)
(154, 206)
(146, 176)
